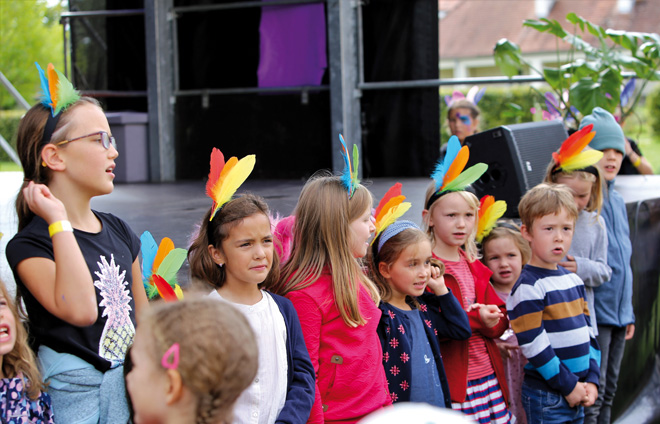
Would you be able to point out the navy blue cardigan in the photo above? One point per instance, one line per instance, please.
(300, 372)
(443, 317)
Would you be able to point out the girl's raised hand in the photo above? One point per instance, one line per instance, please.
(42, 202)
(436, 281)
(490, 314)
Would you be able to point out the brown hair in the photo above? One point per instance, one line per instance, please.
(470, 246)
(596, 197)
(546, 199)
(216, 231)
(29, 146)
(21, 359)
(507, 229)
(218, 356)
(322, 241)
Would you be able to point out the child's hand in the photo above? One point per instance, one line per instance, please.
(436, 282)
(630, 331)
(592, 394)
(578, 395)
(490, 314)
(506, 349)
(570, 264)
(42, 202)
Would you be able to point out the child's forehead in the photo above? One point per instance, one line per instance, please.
(561, 215)
(453, 200)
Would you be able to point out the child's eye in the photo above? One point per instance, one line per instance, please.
(246, 244)
(268, 240)
(469, 214)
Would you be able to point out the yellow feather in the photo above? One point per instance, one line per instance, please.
(178, 292)
(489, 219)
(232, 181)
(582, 160)
(394, 201)
(390, 216)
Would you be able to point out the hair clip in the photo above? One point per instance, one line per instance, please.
(160, 264)
(350, 175)
(473, 95)
(571, 156)
(390, 208)
(57, 93)
(449, 175)
(226, 178)
(170, 359)
(489, 212)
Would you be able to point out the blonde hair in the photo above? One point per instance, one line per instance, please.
(470, 246)
(214, 232)
(321, 239)
(21, 359)
(546, 199)
(596, 196)
(390, 253)
(218, 354)
(507, 229)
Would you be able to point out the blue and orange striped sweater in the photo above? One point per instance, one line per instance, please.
(549, 314)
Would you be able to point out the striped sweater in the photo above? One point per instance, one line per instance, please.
(549, 314)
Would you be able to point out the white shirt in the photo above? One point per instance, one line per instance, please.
(263, 400)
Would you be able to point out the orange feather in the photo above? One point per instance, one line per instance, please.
(53, 84)
(486, 202)
(394, 201)
(456, 166)
(573, 144)
(165, 247)
(394, 191)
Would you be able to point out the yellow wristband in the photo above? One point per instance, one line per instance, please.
(638, 161)
(58, 227)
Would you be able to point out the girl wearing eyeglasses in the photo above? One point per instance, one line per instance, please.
(75, 268)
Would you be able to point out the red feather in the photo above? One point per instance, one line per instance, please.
(394, 191)
(574, 144)
(165, 291)
(217, 163)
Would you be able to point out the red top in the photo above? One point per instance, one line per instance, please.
(455, 352)
(350, 378)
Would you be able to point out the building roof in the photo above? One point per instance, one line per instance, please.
(470, 28)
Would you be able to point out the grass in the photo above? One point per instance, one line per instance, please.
(648, 142)
(9, 167)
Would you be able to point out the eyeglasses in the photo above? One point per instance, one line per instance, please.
(106, 140)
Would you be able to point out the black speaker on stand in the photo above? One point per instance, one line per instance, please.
(517, 156)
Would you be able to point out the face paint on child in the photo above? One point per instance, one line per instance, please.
(465, 119)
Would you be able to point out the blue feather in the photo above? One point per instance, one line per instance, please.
(479, 95)
(453, 147)
(148, 249)
(45, 91)
(346, 178)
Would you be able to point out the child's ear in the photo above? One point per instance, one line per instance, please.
(384, 269)
(525, 233)
(426, 218)
(217, 255)
(51, 158)
(174, 387)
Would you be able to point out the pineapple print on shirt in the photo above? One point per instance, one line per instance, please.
(118, 331)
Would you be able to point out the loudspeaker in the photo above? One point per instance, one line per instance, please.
(517, 156)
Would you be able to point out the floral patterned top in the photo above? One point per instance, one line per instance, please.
(17, 408)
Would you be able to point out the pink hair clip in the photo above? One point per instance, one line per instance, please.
(170, 358)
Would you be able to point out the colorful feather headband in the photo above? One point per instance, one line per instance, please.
(57, 93)
(473, 95)
(449, 175)
(489, 212)
(160, 263)
(571, 156)
(350, 175)
(390, 208)
(226, 178)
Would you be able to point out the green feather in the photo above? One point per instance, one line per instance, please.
(152, 291)
(171, 265)
(467, 177)
(66, 93)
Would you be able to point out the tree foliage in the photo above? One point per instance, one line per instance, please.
(30, 32)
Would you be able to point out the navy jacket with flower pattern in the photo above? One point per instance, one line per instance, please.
(443, 318)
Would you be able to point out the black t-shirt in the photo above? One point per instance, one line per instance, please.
(627, 168)
(109, 255)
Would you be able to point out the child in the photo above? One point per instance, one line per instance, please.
(402, 266)
(613, 300)
(191, 361)
(336, 302)
(81, 287)
(474, 366)
(505, 252)
(22, 395)
(549, 313)
(587, 256)
(233, 253)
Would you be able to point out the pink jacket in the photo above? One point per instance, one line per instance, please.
(350, 379)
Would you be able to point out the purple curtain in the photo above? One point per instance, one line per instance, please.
(292, 46)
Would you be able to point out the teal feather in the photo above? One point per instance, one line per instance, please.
(349, 177)
(45, 91)
(467, 177)
(453, 147)
(149, 248)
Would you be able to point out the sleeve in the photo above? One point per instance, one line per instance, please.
(489, 297)
(27, 245)
(310, 318)
(594, 271)
(301, 391)
(525, 307)
(448, 316)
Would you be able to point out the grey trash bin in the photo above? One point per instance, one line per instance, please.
(130, 129)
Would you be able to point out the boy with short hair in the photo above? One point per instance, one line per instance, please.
(549, 314)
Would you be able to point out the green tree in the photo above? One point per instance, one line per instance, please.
(29, 32)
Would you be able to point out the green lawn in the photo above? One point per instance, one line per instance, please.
(649, 144)
(9, 167)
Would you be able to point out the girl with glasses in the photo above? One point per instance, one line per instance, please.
(76, 269)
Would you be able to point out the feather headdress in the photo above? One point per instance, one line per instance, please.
(160, 263)
(350, 175)
(57, 92)
(473, 95)
(489, 212)
(390, 208)
(226, 178)
(449, 174)
(571, 156)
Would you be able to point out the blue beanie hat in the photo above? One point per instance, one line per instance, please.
(608, 132)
